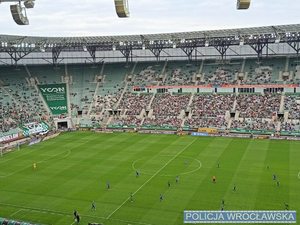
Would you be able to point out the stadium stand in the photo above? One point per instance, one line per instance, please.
(217, 122)
(147, 73)
(181, 73)
(258, 106)
(210, 111)
(220, 72)
(292, 106)
(167, 110)
(20, 102)
(254, 124)
(12, 222)
(133, 104)
(103, 94)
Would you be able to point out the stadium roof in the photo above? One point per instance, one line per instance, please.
(258, 38)
(243, 32)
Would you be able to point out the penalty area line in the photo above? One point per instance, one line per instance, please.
(147, 181)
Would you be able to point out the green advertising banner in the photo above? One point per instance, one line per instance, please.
(55, 96)
(35, 128)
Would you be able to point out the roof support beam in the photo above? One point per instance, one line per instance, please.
(189, 52)
(234, 51)
(258, 48)
(92, 51)
(127, 53)
(16, 55)
(156, 52)
(55, 54)
(295, 45)
(222, 49)
(271, 50)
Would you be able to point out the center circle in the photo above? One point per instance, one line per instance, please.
(181, 165)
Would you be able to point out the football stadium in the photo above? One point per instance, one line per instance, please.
(162, 128)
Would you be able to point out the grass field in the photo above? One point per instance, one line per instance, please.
(72, 171)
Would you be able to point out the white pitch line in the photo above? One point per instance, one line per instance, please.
(133, 222)
(68, 153)
(11, 215)
(167, 175)
(24, 152)
(147, 181)
(42, 161)
(35, 209)
(299, 175)
(40, 210)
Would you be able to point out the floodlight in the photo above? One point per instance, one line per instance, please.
(29, 4)
(18, 11)
(122, 8)
(18, 16)
(242, 41)
(243, 4)
(42, 49)
(277, 40)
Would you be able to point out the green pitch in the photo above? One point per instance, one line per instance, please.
(73, 169)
